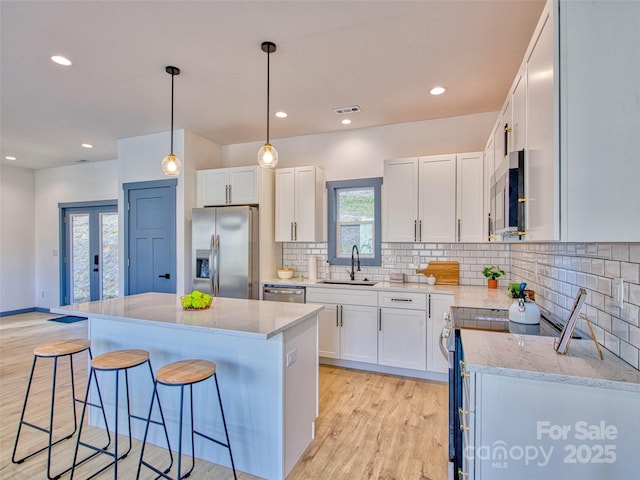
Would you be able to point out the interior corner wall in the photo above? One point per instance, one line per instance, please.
(358, 153)
(17, 239)
(75, 183)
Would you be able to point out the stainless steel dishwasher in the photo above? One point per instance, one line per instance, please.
(284, 293)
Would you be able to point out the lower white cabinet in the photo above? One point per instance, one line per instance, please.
(347, 330)
(402, 329)
(391, 328)
(529, 428)
(402, 338)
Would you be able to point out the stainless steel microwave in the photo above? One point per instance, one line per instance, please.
(508, 199)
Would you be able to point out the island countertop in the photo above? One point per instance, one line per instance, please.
(230, 316)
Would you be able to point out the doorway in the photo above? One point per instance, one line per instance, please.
(89, 242)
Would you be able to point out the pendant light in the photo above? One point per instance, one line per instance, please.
(267, 155)
(171, 165)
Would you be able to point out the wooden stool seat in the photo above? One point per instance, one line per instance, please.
(185, 372)
(120, 359)
(62, 347)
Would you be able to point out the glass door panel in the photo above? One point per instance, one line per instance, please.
(109, 255)
(79, 257)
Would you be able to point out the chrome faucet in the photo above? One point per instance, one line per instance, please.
(352, 273)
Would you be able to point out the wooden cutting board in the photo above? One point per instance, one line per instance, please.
(446, 273)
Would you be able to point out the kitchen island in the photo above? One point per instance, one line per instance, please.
(267, 362)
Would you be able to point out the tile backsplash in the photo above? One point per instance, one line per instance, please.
(554, 270)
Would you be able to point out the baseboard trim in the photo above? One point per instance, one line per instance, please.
(24, 310)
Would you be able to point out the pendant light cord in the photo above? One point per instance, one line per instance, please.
(268, 96)
(172, 76)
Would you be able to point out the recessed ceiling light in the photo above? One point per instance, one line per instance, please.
(437, 90)
(281, 114)
(87, 145)
(60, 60)
(9, 157)
(346, 121)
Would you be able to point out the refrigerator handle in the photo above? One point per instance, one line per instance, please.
(216, 291)
(212, 265)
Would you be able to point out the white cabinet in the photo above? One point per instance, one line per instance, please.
(437, 306)
(402, 335)
(299, 204)
(348, 327)
(400, 200)
(438, 198)
(565, 425)
(471, 225)
(228, 186)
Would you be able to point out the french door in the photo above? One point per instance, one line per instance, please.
(90, 246)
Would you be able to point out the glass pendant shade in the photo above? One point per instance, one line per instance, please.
(171, 165)
(268, 156)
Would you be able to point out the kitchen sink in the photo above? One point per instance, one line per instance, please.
(366, 283)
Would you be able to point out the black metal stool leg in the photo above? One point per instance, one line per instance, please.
(224, 423)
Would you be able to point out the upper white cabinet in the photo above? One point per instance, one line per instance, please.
(437, 198)
(299, 204)
(580, 129)
(425, 200)
(471, 225)
(228, 186)
(400, 200)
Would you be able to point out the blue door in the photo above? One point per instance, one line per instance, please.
(150, 237)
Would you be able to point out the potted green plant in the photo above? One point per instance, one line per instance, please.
(492, 273)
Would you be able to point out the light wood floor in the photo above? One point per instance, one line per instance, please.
(370, 426)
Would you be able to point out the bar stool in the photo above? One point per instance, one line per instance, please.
(117, 361)
(181, 374)
(54, 350)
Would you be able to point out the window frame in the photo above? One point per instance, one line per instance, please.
(332, 206)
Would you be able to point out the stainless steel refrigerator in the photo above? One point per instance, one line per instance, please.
(225, 251)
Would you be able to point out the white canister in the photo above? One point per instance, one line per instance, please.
(431, 280)
(313, 267)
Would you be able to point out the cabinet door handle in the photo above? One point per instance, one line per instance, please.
(402, 300)
(459, 223)
(337, 315)
(341, 324)
(291, 232)
(420, 229)
(462, 411)
(415, 230)
(429, 306)
(379, 319)
(230, 194)
(295, 230)
(462, 473)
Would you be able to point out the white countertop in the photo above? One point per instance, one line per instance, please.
(230, 316)
(529, 356)
(464, 296)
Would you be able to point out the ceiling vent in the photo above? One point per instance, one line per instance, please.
(347, 110)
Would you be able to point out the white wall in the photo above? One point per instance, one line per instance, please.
(139, 160)
(360, 153)
(75, 183)
(17, 239)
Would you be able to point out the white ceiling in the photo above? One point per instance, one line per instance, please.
(381, 55)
